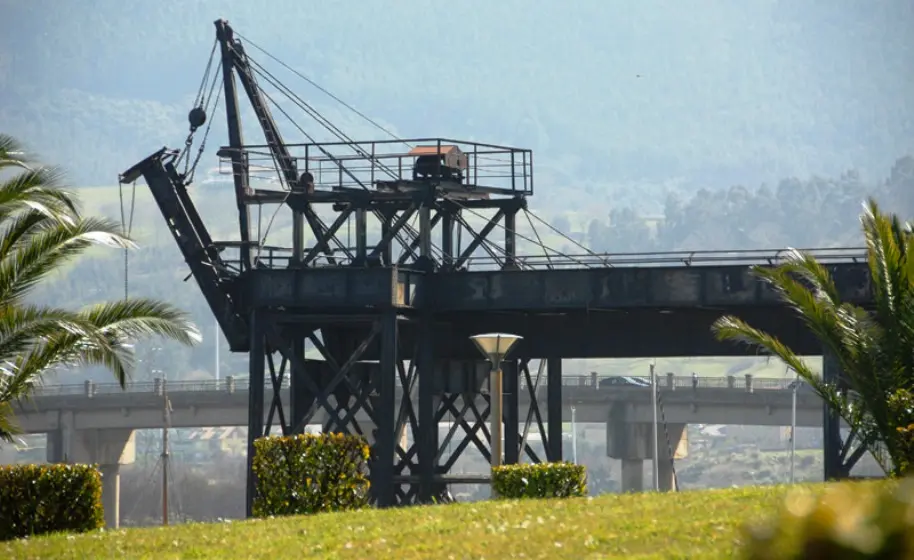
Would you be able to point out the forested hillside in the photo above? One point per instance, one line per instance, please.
(610, 94)
(657, 125)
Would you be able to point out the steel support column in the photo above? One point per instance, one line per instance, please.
(554, 409)
(511, 239)
(427, 438)
(511, 414)
(256, 367)
(382, 469)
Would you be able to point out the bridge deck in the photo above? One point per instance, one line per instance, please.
(657, 281)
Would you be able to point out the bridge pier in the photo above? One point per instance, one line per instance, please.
(109, 449)
(633, 443)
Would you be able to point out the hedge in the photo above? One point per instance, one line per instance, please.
(310, 473)
(541, 480)
(38, 499)
(848, 520)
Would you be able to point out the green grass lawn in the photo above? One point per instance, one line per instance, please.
(698, 524)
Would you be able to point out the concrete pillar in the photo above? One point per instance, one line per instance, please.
(106, 448)
(111, 494)
(632, 475)
(633, 443)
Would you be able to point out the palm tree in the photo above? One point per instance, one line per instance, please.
(874, 348)
(41, 229)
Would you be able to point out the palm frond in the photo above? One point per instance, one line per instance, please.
(21, 327)
(41, 229)
(36, 188)
(141, 318)
(114, 326)
(23, 268)
(874, 350)
(12, 153)
(8, 426)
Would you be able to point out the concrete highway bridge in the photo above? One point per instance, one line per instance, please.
(95, 423)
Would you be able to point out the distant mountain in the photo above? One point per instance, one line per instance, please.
(609, 93)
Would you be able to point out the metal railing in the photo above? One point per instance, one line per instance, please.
(747, 257)
(280, 257)
(362, 165)
(595, 382)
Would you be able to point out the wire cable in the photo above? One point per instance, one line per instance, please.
(321, 89)
(539, 240)
(258, 68)
(126, 230)
(311, 112)
(556, 230)
(518, 234)
(317, 116)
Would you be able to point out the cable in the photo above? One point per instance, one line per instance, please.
(257, 68)
(321, 120)
(311, 112)
(515, 232)
(556, 230)
(539, 240)
(126, 230)
(321, 89)
(329, 94)
(199, 102)
(189, 176)
(486, 244)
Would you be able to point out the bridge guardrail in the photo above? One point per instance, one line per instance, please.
(231, 384)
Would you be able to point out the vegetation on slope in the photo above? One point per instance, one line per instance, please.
(706, 524)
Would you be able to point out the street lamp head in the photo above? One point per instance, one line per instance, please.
(495, 346)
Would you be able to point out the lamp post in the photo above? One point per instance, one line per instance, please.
(655, 432)
(793, 425)
(574, 437)
(495, 346)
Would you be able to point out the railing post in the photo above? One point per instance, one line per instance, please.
(748, 382)
(90, 388)
(230, 384)
(731, 381)
(670, 381)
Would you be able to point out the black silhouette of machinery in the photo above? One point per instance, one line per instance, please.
(439, 163)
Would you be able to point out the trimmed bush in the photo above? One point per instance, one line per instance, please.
(38, 499)
(541, 480)
(848, 520)
(310, 473)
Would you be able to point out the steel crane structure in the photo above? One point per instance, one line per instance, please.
(357, 305)
(396, 307)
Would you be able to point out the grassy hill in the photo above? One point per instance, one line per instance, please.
(703, 524)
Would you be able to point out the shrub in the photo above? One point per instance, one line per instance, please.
(848, 520)
(310, 473)
(541, 480)
(37, 499)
